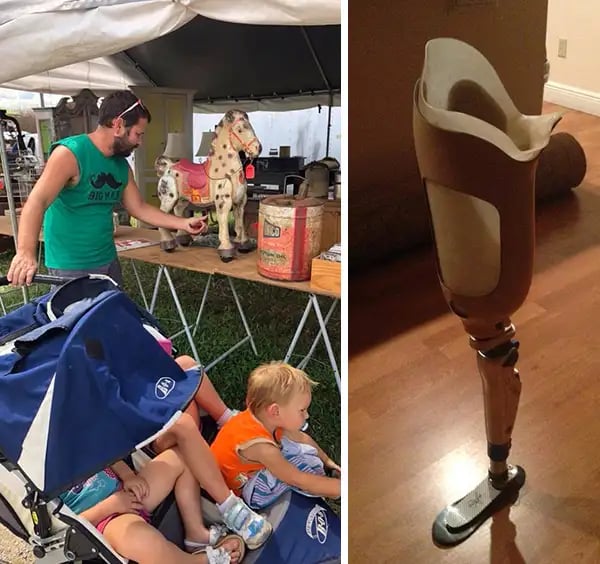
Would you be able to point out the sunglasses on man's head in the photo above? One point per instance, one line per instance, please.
(137, 103)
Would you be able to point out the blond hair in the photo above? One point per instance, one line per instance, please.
(275, 382)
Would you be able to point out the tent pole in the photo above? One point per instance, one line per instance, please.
(328, 124)
(316, 59)
(325, 80)
(9, 197)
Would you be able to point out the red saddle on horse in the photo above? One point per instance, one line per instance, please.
(194, 181)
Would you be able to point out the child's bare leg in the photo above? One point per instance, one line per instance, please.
(168, 439)
(164, 442)
(136, 540)
(238, 517)
(187, 495)
(198, 458)
(166, 472)
(209, 399)
(161, 474)
(207, 396)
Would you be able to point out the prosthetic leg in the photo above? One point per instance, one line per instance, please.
(477, 156)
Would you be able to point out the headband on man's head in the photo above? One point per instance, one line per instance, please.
(119, 105)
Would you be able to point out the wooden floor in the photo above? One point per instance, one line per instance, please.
(417, 438)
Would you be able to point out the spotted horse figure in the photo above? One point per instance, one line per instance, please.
(219, 182)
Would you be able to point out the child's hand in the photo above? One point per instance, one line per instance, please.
(334, 468)
(126, 502)
(137, 486)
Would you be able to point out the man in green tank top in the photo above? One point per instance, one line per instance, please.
(85, 176)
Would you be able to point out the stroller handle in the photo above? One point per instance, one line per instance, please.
(40, 279)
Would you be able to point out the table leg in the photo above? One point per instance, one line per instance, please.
(298, 331)
(156, 286)
(240, 309)
(336, 373)
(190, 330)
(139, 283)
(248, 336)
(186, 327)
(197, 323)
(305, 360)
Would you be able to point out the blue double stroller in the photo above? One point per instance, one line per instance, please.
(77, 366)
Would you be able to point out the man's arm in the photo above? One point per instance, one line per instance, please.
(135, 205)
(59, 170)
(273, 460)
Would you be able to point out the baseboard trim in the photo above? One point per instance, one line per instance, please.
(572, 97)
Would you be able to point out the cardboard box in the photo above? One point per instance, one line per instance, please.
(326, 275)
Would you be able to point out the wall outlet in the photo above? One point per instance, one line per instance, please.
(562, 48)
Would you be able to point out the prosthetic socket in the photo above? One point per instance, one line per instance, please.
(477, 157)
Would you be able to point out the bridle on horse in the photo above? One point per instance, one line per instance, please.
(245, 146)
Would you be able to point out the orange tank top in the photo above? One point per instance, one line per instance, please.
(240, 432)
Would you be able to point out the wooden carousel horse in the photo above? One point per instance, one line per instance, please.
(219, 182)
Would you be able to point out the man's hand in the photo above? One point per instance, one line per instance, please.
(125, 502)
(194, 225)
(137, 486)
(22, 268)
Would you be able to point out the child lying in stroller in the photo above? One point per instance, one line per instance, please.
(118, 503)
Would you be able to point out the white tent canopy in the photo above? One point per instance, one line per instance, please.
(40, 35)
(100, 75)
(290, 103)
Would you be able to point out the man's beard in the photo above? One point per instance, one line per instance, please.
(122, 147)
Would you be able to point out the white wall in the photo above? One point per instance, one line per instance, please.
(575, 80)
(305, 131)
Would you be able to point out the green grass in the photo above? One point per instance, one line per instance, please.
(272, 314)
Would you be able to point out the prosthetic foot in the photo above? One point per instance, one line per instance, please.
(496, 358)
(477, 156)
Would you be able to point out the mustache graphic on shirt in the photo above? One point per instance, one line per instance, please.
(104, 178)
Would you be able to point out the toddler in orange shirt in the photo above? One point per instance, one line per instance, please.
(262, 452)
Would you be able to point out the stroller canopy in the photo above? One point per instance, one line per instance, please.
(83, 383)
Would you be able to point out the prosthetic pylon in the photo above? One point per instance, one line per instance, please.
(477, 155)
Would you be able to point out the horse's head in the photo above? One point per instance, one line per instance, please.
(241, 134)
(168, 177)
(162, 164)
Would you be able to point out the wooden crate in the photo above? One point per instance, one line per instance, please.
(332, 225)
(326, 275)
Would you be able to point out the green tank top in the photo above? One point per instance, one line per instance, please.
(78, 225)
